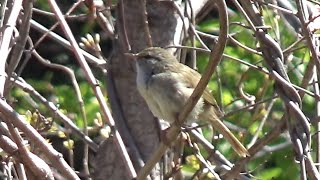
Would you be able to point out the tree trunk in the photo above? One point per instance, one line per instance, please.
(139, 124)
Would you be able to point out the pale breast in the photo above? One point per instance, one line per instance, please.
(165, 95)
(171, 96)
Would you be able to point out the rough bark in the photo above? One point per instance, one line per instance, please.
(165, 28)
(141, 124)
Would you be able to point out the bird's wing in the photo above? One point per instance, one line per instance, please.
(191, 74)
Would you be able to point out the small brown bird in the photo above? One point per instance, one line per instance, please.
(165, 84)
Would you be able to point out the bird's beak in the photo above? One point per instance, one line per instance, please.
(131, 56)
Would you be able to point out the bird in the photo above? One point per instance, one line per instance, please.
(165, 85)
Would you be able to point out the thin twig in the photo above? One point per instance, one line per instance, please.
(11, 148)
(275, 132)
(192, 35)
(97, 90)
(146, 23)
(218, 158)
(79, 17)
(17, 50)
(215, 58)
(5, 41)
(55, 112)
(287, 11)
(24, 153)
(76, 87)
(317, 125)
(66, 44)
(54, 157)
(264, 119)
(307, 34)
(203, 161)
(250, 50)
(74, 6)
(127, 47)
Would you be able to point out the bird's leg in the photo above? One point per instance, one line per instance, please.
(164, 138)
(164, 133)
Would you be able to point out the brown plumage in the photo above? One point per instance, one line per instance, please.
(166, 85)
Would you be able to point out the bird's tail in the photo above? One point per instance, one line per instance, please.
(235, 143)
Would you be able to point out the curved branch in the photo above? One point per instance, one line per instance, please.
(215, 59)
(97, 91)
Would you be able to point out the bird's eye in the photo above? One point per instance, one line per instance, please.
(152, 57)
(152, 72)
(148, 57)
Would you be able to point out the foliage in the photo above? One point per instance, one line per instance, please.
(238, 88)
(272, 165)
